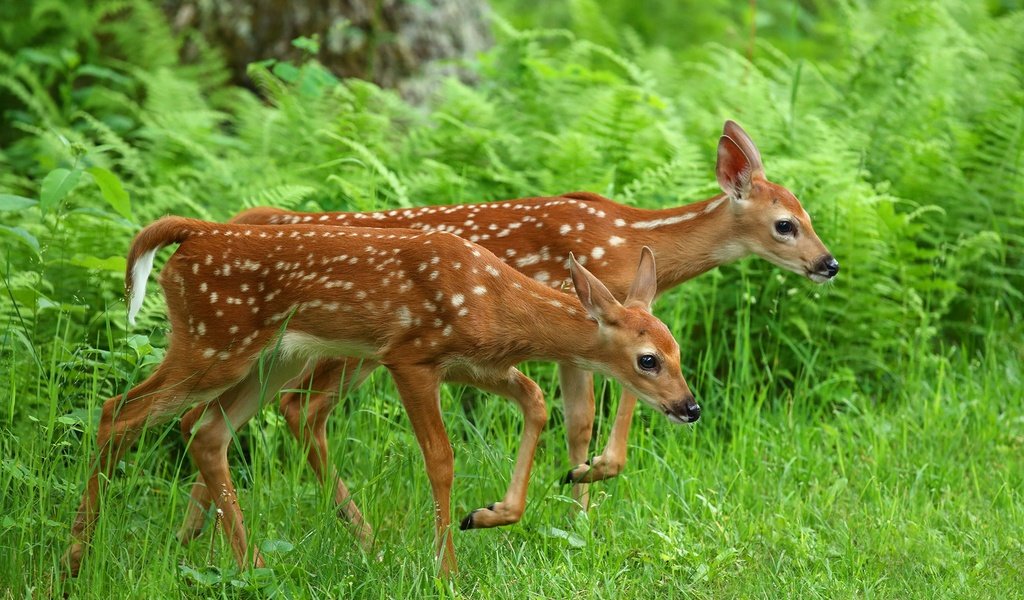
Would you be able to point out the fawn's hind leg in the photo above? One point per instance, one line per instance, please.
(211, 434)
(308, 423)
(174, 386)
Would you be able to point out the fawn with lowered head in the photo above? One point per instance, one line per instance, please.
(249, 307)
(535, 235)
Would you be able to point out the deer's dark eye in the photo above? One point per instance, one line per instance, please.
(784, 227)
(647, 362)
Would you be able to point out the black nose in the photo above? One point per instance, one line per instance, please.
(692, 409)
(829, 265)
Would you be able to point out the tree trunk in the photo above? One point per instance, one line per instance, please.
(389, 42)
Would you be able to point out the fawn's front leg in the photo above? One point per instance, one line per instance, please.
(418, 387)
(578, 399)
(610, 462)
(527, 394)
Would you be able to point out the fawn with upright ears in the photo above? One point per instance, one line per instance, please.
(250, 306)
(535, 235)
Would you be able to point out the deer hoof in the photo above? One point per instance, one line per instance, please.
(467, 523)
(570, 478)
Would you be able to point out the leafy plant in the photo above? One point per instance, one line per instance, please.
(898, 124)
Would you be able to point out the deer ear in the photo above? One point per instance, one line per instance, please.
(733, 131)
(593, 295)
(734, 169)
(645, 284)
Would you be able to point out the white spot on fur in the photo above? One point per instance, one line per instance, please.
(404, 316)
(529, 259)
(479, 290)
(713, 205)
(655, 223)
(597, 252)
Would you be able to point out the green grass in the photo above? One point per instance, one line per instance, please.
(914, 495)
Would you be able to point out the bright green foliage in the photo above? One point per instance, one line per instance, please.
(860, 438)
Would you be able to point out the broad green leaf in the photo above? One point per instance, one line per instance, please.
(288, 72)
(44, 304)
(68, 420)
(31, 55)
(112, 190)
(140, 343)
(113, 263)
(570, 538)
(103, 73)
(23, 236)
(279, 546)
(206, 577)
(56, 185)
(12, 202)
(309, 44)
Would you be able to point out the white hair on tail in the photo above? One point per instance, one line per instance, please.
(140, 273)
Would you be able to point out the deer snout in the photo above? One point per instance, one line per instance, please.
(828, 266)
(685, 411)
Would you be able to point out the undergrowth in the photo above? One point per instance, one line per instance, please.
(852, 432)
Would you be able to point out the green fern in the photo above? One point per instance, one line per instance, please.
(908, 155)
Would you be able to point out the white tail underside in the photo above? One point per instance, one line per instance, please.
(140, 275)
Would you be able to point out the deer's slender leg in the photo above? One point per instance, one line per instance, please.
(309, 427)
(610, 462)
(199, 500)
(212, 434)
(154, 401)
(578, 397)
(528, 396)
(418, 387)
(329, 379)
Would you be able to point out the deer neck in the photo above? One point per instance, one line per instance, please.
(690, 240)
(546, 324)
